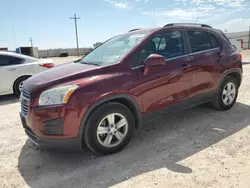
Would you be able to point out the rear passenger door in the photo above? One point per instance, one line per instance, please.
(204, 53)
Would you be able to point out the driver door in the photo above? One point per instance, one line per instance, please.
(166, 84)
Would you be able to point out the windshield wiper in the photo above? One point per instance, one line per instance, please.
(88, 63)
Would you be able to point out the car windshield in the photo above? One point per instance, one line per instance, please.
(113, 50)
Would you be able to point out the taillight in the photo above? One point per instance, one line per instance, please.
(239, 54)
(47, 65)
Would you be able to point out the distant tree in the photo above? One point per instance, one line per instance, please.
(97, 44)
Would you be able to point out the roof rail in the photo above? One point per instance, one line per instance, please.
(187, 24)
(134, 30)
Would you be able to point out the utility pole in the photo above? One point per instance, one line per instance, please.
(249, 39)
(76, 18)
(196, 19)
(31, 42)
(14, 36)
(225, 32)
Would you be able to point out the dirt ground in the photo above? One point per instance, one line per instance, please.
(197, 148)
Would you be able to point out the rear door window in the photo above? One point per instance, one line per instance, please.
(9, 60)
(213, 41)
(201, 40)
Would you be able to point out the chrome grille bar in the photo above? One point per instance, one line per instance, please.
(25, 100)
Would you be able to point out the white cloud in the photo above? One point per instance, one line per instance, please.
(229, 3)
(120, 4)
(202, 11)
(176, 13)
(225, 3)
(238, 24)
(125, 4)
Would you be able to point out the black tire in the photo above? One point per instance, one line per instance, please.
(17, 83)
(90, 130)
(218, 103)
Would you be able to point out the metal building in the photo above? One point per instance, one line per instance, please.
(241, 35)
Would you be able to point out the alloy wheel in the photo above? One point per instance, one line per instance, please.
(229, 93)
(20, 86)
(112, 130)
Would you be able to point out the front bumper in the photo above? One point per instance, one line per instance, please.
(70, 144)
(34, 125)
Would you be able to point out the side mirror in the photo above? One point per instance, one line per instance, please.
(153, 60)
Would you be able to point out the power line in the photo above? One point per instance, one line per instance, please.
(76, 18)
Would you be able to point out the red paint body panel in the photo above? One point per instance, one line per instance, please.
(179, 79)
(164, 85)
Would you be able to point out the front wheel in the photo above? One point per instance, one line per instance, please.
(18, 85)
(109, 128)
(227, 94)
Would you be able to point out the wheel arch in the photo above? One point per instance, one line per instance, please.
(237, 76)
(126, 100)
(23, 76)
(235, 73)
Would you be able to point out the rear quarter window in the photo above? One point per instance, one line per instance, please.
(10, 60)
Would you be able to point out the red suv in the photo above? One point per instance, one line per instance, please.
(103, 97)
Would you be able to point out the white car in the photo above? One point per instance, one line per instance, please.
(16, 68)
(237, 43)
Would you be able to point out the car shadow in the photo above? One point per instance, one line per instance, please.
(246, 62)
(8, 99)
(161, 143)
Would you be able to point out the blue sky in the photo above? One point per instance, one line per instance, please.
(48, 23)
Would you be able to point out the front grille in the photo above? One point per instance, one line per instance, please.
(24, 109)
(25, 100)
(25, 94)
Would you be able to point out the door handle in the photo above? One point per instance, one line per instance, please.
(219, 54)
(11, 69)
(185, 67)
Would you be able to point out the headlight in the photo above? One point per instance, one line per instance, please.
(58, 95)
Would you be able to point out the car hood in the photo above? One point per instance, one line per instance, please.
(59, 75)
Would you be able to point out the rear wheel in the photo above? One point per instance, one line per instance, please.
(109, 128)
(18, 85)
(227, 94)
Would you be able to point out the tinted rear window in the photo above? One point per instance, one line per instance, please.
(201, 41)
(213, 41)
(9, 60)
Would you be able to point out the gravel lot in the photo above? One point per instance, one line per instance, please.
(195, 148)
